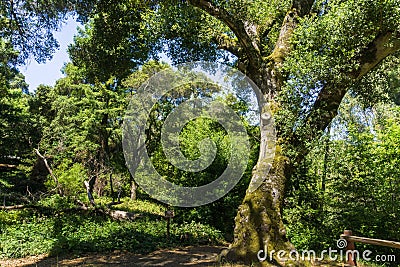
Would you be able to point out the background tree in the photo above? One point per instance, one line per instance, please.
(132, 83)
(29, 25)
(16, 129)
(115, 41)
(348, 185)
(83, 126)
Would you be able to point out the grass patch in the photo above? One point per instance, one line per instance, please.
(137, 206)
(24, 232)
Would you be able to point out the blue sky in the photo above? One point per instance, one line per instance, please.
(49, 72)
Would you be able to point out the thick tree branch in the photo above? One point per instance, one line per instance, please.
(244, 31)
(299, 8)
(327, 104)
(229, 44)
(302, 7)
(283, 46)
(384, 45)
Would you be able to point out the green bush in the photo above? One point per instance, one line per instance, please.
(70, 177)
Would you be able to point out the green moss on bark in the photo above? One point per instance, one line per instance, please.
(259, 221)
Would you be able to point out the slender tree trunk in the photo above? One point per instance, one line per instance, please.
(89, 193)
(102, 162)
(112, 188)
(133, 189)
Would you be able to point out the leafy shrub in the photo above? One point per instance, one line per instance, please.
(70, 178)
(56, 202)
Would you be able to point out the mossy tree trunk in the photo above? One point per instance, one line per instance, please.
(258, 223)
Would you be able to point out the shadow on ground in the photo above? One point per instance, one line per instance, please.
(188, 256)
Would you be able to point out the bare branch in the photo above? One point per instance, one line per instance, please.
(15, 207)
(7, 166)
(50, 171)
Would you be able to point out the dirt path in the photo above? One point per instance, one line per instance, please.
(189, 256)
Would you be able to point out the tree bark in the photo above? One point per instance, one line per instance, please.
(258, 223)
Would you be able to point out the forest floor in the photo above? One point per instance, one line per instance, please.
(188, 256)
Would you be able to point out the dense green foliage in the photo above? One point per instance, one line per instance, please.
(349, 181)
(55, 231)
(17, 129)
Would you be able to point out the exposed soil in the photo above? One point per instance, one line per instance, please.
(189, 256)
